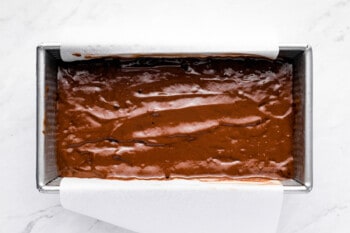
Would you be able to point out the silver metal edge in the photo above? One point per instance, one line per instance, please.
(40, 110)
(296, 188)
(40, 120)
(308, 183)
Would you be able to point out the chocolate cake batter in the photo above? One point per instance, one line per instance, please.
(150, 118)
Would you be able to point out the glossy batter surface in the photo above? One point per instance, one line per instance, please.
(175, 118)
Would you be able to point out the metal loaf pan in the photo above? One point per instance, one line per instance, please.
(48, 58)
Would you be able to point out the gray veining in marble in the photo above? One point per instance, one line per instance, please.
(323, 24)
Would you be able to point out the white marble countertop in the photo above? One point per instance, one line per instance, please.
(323, 24)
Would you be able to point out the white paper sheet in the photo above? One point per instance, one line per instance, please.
(102, 43)
(178, 205)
